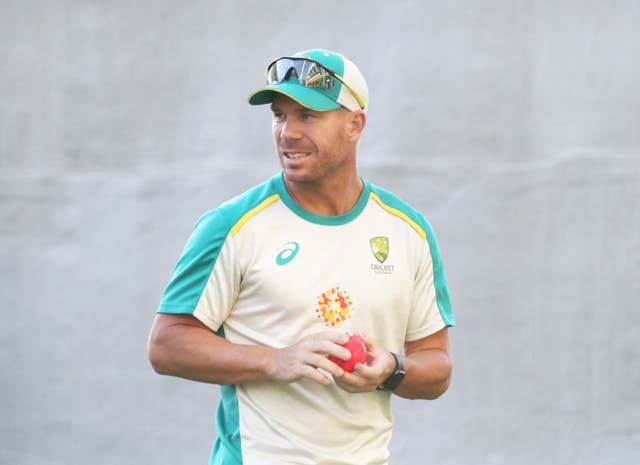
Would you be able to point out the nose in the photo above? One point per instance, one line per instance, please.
(289, 129)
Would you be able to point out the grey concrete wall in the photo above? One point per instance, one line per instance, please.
(513, 125)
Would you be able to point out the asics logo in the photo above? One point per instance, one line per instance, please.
(288, 253)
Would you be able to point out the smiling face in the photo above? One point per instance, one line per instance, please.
(315, 147)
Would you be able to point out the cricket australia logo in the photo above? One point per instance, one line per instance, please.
(380, 250)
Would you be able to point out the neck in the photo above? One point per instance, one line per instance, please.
(327, 199)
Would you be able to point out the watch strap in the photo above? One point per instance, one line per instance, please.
(396, 377)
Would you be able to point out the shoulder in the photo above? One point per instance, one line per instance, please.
(395, 205)
(232, 213)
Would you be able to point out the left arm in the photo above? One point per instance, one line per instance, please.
(427, 362)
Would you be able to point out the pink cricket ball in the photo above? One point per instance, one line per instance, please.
(358, 354)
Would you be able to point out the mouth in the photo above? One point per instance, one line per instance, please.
(296, 155)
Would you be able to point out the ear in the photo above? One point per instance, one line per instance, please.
(357, 122)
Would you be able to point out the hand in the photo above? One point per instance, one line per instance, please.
(304, 358)
(367, 377)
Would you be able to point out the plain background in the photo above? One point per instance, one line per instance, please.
(514, 126)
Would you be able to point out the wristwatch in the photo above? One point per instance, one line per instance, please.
(396, 377)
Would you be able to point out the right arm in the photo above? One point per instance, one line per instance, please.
(181, 345)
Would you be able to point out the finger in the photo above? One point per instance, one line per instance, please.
(369, 343)
(366, 372)
(337, 337)
(312, 373)
(352, 382)
(337, 351)
(317, 376)
(329, 366)
(329, 346)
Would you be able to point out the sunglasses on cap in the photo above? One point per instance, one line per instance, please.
(309, 74)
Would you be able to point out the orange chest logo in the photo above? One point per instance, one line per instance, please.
(334, 307)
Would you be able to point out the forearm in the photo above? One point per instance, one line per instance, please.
(428, 373)
(188, 350)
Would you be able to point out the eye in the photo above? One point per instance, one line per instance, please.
(278, 116)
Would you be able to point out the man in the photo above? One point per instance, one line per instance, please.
(271, 282)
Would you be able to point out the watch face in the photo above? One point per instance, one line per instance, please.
(394, 380)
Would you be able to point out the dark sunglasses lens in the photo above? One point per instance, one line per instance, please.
(281, 70)
(308, 73)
